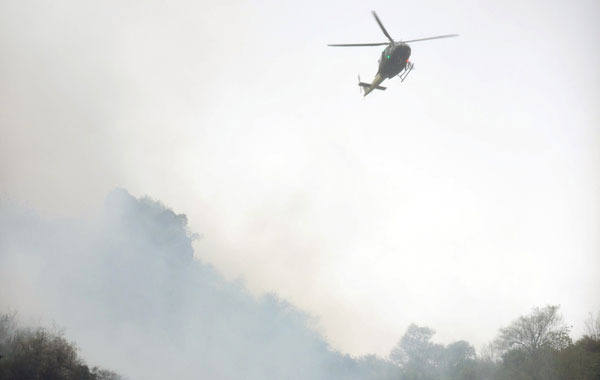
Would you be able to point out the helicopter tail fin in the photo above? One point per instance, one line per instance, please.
(368, 87)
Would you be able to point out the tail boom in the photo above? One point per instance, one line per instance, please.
(375, 85)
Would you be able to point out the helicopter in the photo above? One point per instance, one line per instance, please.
(393, 61)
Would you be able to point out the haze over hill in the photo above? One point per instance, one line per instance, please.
(130, 293)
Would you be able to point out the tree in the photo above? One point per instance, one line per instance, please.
(104, 374)
(529, 345)
(458, 361)
(41, 354)
(418, 357)
(581, 361)
(542, 328)
(490, 353)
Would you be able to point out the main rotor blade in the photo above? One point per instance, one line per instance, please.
(382, 27)
(372, 44)
(431, 38)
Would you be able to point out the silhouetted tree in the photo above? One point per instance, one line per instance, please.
(542, 328)
(580, 361)
(458, 360)
(529, 345)
(417, 355)
(41, 354)
(104, 374)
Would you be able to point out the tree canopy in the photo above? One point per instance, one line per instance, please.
(542, 328)
(42, 354)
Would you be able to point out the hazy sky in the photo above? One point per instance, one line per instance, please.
(458, 199)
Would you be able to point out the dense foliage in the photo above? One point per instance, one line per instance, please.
(28, 354)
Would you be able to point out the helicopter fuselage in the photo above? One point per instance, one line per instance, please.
(394, 59)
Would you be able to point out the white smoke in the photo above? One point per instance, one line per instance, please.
(128, 290)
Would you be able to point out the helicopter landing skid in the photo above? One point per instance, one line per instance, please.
(406, 71)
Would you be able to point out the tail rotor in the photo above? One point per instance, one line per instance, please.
(361, 89)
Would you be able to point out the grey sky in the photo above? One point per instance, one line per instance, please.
(458, 199)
